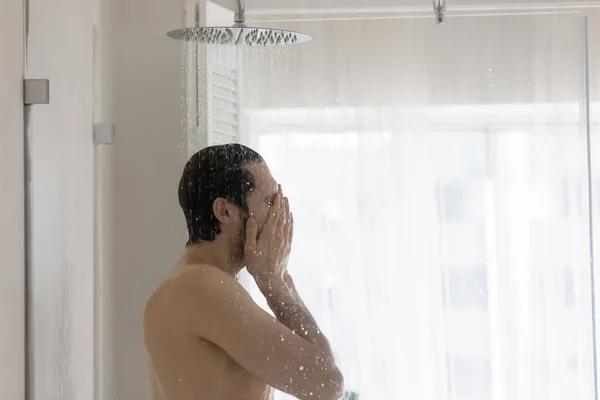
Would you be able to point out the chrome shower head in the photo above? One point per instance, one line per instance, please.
(239, 34)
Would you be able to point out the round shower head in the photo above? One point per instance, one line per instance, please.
(240, 35)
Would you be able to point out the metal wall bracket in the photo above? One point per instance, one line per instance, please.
(104, 133)
(439, 8)
(36, 91)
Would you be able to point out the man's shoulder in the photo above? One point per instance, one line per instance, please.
(196, 274)
(190, 284)
(199, 281)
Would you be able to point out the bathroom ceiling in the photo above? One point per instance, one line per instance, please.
(270, 6)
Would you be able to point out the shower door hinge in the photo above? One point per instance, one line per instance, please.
(104, 133)
(36, 91)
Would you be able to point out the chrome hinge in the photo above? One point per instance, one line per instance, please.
(36, 91)
(104, 134)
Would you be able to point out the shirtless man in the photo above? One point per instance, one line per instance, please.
(205, 337)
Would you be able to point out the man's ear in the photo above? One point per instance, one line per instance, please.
(222, 211)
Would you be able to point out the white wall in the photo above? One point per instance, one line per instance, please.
(104, 168)
(62, 295)
(12, 252)
(150, 152)
(68, 45)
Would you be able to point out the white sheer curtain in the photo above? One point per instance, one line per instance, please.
(438, 180)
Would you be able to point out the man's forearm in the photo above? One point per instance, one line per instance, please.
(290, 284)
(292, 312)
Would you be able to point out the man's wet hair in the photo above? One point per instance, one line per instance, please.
(215, 172)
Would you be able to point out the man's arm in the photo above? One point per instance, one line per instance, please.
(287, 278)
(300, 363)
(290, 310)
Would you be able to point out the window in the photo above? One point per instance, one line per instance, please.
(418, 239)
(470, 378)
(451, 202)
(569, 285)
(572, 362)
(465, 288)
(572, 197)
(548, 284)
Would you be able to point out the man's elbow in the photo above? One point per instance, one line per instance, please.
(335, 387)
(338, 383)
(327, 385)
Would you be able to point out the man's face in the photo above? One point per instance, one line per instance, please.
(261, 197)
(259, 200)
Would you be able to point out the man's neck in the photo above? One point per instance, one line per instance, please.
(212, 253)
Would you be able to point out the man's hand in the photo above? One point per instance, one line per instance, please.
(267, 254)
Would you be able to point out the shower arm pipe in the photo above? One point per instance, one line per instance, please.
(240, 15)
(439, 8)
